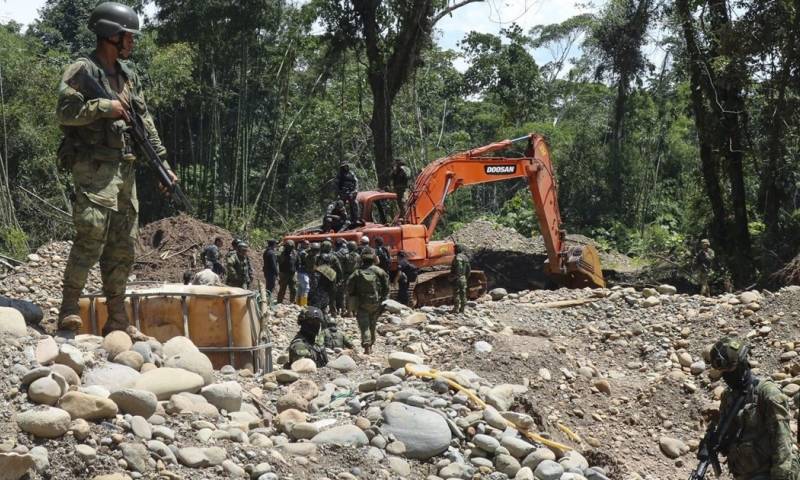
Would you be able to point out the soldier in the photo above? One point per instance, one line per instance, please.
(384, 258)
(704, 262)
(400, 177)
(406, 274)
(305, 343)
(270, 258)
(335, 217)
(367, 288)
(239, 268)
(459, 275)
(343, 257)
(762, 445)
(206, 276)
(302, 274)
(328, 258)
(310, 264)
(212, 254)
(98, 150)
(363, 245)
(347, 187)
(334, 338)
(232, 252)
(287, 264)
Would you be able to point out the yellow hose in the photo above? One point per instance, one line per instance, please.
(435, 375)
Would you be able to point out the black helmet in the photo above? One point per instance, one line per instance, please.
(311, 315)
(315, 246)
(112, 18)
(340, 242)
(352, 246)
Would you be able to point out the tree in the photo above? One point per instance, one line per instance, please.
(392, 34)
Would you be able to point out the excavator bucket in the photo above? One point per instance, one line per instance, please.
(583, 268)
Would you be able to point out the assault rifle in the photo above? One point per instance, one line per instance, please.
(91, 89)
(715, 439)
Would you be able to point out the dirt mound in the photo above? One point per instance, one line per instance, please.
(168, 247)
(789, 274)
(515, 262)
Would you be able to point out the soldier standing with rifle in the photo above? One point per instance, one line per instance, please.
(107, 128)
(753, 428)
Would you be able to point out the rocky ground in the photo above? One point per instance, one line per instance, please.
(617, 375)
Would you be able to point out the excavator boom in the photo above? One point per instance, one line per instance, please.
(573, 266)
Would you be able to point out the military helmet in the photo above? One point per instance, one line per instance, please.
(351, 245)
(242, 245)
(368, 258)
(458, 248)
(112, 18)
(305, 242)
(340, 242)
(311, 315)
(705, 242)
(727, 353)
(326, 246)
(271, 242)
(379, 241)
(338, 204)
(290, 243)
(314, 247)
(364, 240)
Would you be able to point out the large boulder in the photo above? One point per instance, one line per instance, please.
(425, 433)
(111, 376)
(12, 323)
(400, 359)
(43, 421)
(135, 402)
(194, 361)
(87, 407)
(166, 382)
(176, 346)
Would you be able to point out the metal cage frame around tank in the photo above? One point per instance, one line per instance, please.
(231, 350)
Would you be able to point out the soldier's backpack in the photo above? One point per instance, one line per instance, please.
(366, 286)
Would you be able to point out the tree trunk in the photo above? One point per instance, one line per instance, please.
(703, 124)
(381, 126)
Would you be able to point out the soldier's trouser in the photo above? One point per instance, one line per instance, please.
(367, 318)
(703, 279)
(287, 280)
(271, 281)
(459, 294)
(108, 236)
(402, 290)
(341, 302)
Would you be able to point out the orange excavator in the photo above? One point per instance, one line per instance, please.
(412, 229)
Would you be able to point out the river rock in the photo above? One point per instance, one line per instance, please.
(486, 443)
(15, 466)
(193, 361)
(548, 469)
(286, 376)
(176, 346)
(343, 363)
(507, 464)
(425, 433)
(287, 418)
(141, 428)
(225, 396)
(130, 359)
(46, 351)
(538, 456)
(112, 376)
(190, 403)
(305, 388)
(46, 390)
(116, 342)
(672, 447)
(44, 421)
(414, 319)
(343, 436)
(87, 407)
(136, 455)
(304, 365)
(12, 323)
(400, 359)
(71, 357)
(498, 293)
(393, 306)
(135, 402)
(517, 447)
(166, 382)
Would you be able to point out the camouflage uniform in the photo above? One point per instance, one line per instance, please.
(367, 288)
(348, 263)
(307, 342)
(334, 338)
(240, 271)
(762, 449)
(327, 262)
(459, 273)
(704, 261)
(102, 158)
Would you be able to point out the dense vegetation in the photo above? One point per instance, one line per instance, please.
(258, 102)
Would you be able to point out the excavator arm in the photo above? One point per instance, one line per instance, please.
(573, 266)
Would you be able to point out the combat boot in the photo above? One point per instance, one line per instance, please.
(68, 314)
(117, 316)
(367, 349)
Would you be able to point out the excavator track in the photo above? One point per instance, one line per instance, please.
(433, 288)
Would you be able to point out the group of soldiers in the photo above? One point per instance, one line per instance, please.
(753, 430)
